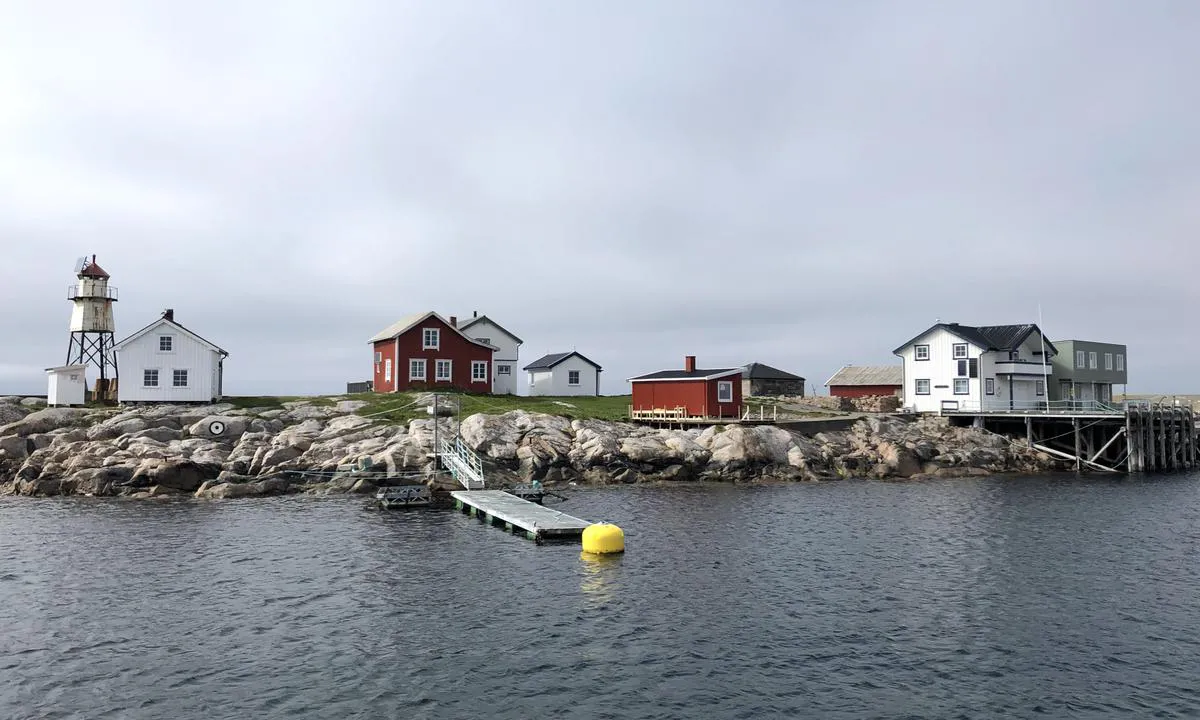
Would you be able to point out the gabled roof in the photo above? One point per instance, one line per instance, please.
(685, 375)
(758, 371)
(867, 375)
(408, 322)
(163, 321)
(987, 337)
(481, 318)
(546, 362)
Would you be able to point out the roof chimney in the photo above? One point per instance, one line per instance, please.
(453, 321)
(689, 363)
(169, 314)
(474, 313)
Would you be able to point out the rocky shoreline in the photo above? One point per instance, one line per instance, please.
(220, 451)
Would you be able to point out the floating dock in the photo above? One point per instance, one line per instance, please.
(536, 522)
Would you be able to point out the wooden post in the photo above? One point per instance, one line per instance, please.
(1029, 430)
(1130, 460)
(1074, 424)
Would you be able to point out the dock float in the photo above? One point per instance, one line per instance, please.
(537, 522)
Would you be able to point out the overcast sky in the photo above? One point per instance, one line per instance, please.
(804, 184)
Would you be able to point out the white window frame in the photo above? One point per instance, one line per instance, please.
(989, 386)
(954, 351)
(917, 386)
(578, 374)
(1093, 361)
(485, 340)
(387, 370)
(1080, 359)
(170, 344)
(431, 338)
(1120, 362)
(415, 363)
(917, 352)
(175, 380)
(378, 357)
(504, 369)
(437, 371)
(1039, 387)
(724, 391)
(1108, 361)
(964, 383)
(479, 371)
(146, 377)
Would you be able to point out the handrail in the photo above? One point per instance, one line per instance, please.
(105, 293)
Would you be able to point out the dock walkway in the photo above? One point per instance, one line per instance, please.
(537, 522)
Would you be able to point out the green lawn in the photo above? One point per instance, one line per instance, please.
(402, 407)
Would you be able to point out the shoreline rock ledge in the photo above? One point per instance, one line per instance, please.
(220, 451)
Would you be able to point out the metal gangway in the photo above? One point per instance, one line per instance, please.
(462, 462)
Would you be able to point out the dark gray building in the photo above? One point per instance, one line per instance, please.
(759, 379)
(1087, 371)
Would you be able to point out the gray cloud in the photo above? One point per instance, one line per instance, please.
(801, 184)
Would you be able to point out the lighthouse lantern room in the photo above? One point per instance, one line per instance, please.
(92, 324)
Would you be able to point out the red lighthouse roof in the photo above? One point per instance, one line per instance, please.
(93, 270)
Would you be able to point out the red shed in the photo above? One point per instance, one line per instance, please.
(427, 351)
(855, 381)
(700, 393)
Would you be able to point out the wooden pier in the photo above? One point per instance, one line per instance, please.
(536, 522)
(1136, 438)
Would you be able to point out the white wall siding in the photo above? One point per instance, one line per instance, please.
(940, 370)
(507, 354)
(142, 353)
(555, 381)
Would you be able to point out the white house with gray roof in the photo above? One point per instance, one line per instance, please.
(508, 349)
(977, 368)
(563, 374)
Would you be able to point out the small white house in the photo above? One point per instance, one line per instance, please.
(976, 368)
(165, 362)
(504, 359)
(560, 374)
(68, 385)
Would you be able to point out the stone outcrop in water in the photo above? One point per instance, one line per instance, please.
(223, 452)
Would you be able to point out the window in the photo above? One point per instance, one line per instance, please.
(387, 370)
(989, 386)
(1080, 360)
(1039, 387)
(431, 338)
(968, 368)
(416, 369)
(179, 378)
(724, 389)
(922, 387)
(485, 340)
(378, 357)
(442, 370)
(573, 378)
(962, 386)
(478, 371)
(921, 352)
(504, 369)
(1092, 360)
(150, 378)
(1015, 355)
(165, 343)
(959, 350)
(1108, 361)
(1120, 362)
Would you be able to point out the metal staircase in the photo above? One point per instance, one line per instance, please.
(462, 462)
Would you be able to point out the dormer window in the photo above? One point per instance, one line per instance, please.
(166, 343)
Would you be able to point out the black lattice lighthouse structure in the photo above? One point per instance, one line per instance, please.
(92, 324)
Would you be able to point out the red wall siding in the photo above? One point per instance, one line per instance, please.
(387, 351)
(855, 391)
(452, 346)
(698, 396)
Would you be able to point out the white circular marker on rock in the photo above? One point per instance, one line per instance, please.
(216, 427)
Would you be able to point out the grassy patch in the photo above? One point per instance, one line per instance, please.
(273, 402)
(402, 406)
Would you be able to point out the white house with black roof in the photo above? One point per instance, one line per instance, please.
(504, 359)
(165, 362)
(976, 368)
(567, 373)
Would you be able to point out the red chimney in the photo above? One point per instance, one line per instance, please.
(453, 321)
(689, 363)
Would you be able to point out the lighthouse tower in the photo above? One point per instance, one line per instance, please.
(92, 323)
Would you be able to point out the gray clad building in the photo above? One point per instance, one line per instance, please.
(1087, 371)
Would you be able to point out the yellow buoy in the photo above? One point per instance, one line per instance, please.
(603, 538)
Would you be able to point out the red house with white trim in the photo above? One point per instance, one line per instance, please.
(428, 352)
(696, 392)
